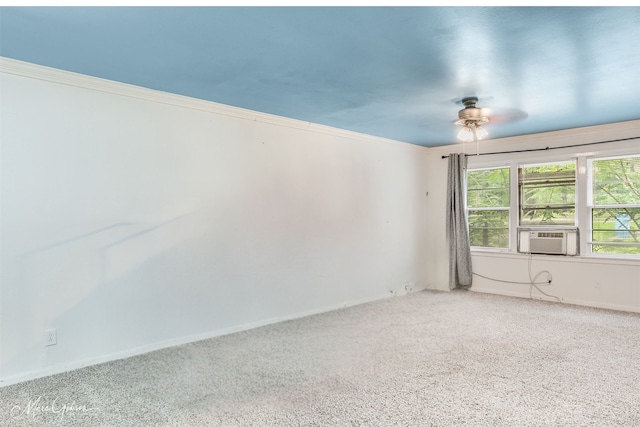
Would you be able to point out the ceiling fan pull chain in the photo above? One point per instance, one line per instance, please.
(475, 138)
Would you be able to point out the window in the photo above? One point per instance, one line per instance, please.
(615, 205)
(547, 194)
(598, 195)
(488, 199)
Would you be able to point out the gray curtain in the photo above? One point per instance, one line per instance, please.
(460, 273)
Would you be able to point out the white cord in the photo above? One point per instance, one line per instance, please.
(532, 280)
(509, 281)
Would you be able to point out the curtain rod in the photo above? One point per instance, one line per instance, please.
(550, 148)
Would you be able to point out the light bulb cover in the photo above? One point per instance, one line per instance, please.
(481, 133)
(465, 134)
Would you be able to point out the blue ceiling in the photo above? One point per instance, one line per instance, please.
(393, 72)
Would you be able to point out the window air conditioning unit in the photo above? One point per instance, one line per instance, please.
(550, 241)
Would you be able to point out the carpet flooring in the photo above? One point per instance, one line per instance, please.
(423, 359)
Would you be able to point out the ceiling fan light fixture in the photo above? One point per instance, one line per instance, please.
(471, 118)
(481, 132)
(471, 132)
(465, 134)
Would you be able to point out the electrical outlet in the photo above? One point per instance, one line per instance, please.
(50, 337)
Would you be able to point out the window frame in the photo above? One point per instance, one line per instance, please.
(590, 206)
(508, 208)
(582, 193)
(522, 166)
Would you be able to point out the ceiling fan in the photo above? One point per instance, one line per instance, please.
(471, 118)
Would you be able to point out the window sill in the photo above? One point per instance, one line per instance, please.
(591, 259)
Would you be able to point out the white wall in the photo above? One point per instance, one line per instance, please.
(584, 280)
(437, 261)
(133, 220)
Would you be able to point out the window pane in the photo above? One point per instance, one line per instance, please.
(488, 188)
(547, 194)
(547, 216)
(489, 228)
(616, 181)
(488, 201)
(610, 249)
(618, 226)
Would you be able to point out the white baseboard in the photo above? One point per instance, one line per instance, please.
(572, 301)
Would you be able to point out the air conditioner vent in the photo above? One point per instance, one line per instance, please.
(548, 241)
(550, 234)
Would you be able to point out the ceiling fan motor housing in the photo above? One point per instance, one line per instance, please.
(470, 113)
(473, 114)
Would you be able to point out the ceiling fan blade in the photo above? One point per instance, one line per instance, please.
(504, 115)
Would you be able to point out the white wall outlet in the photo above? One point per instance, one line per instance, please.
(50, 337)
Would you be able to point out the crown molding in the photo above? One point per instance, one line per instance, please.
(68, 78)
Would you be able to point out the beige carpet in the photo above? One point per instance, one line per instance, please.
(424, 359)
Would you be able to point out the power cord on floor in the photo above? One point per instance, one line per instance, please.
(535, 285)
(532, 280)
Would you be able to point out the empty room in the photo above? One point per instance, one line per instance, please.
(319, 216)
